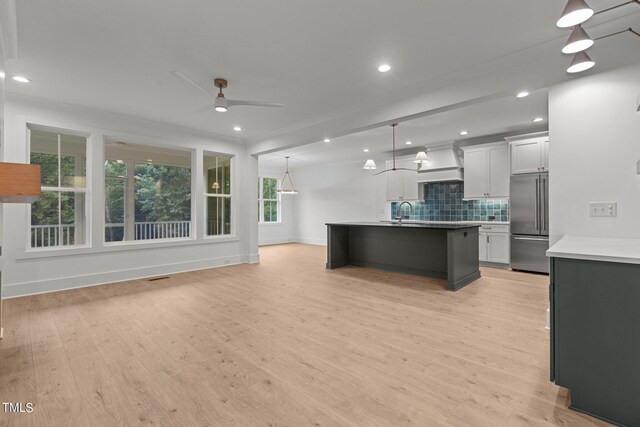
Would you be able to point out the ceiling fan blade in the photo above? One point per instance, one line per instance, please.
(191, 82)
(232, 102)
(206, 109)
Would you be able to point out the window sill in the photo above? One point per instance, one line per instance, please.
(121, 247)
(270, 223)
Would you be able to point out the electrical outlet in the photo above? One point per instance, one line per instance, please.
(600, 209)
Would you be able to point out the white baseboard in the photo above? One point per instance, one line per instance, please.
(311, 241)
(267, 242)
(13, 290)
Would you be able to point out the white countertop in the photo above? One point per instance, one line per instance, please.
(597, 249)
(409, 221)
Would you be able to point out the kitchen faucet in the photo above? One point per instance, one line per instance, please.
(399, 211)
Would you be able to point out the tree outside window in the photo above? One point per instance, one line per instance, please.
(147, 193)
(58, 217)
(268, 200)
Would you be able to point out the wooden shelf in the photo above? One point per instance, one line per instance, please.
(19, 183)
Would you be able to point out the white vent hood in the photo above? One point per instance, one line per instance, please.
(445, 164)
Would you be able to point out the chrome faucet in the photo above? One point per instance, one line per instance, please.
(399, 211)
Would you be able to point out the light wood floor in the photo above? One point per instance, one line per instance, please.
(285, 343)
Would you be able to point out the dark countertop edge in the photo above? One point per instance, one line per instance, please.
(411, 225)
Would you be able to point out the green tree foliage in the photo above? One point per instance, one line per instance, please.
(163, 193)
(45, 210)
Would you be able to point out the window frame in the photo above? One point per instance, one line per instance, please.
(233, 199)
(261, 201)
(86, 190)
(129, 180)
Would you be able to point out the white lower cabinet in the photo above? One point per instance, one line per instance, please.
(493, 243)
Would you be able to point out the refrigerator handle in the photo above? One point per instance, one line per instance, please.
(536, 207)
(544, 205)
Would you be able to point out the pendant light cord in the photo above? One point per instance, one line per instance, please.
(617, 6)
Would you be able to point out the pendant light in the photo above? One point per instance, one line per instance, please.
(581, 62)
(575, 13)
(420, 158)
(283, 189)
(578, 41)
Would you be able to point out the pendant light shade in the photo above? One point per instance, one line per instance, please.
(576, 12)
(370, 165)
(581, 62)
(421, 158)
(283, 188)
(578, 41)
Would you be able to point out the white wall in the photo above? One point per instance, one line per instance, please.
(594, 144)
(27, 272)
(334, 193)
(282, 232)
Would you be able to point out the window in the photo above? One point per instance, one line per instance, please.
(147, 193)
(268, 200)
(58, 217)
(217, 170)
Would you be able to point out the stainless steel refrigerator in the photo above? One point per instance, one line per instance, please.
(529, 204)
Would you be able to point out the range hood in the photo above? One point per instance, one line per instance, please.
(445, 164)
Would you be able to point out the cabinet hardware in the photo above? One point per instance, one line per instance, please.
(487, 238)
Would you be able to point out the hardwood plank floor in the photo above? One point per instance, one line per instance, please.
(287, 343)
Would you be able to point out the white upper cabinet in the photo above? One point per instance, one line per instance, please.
(402, 185)
(530, 155)
(486, 171)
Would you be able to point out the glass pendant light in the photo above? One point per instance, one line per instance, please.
(283, 189)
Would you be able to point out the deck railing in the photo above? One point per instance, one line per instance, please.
(43, 236)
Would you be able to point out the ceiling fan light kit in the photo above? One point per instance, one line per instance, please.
(421, 158)
(574, 15)
(221, 103)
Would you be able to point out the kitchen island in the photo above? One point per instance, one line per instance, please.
(444, 251)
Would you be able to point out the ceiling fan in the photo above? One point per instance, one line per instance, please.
(221, 103)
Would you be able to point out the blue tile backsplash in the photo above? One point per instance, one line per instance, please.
(444, 203)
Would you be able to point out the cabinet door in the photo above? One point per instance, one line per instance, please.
(498, 247)
(526, 156)
(475, 173)
(498, 159)
(545, 154)
(482, 246)
(410, 181)
(395, 183)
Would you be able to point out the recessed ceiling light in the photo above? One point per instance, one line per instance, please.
(522, 94)
(383, 68)
(237, 128)
(537, 119)
(408, 142)
(21, 79)
(366, 150)
(464, 132)
(149, 160)
(327, 140)
(2, 74)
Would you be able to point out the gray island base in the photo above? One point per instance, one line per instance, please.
(443, 251)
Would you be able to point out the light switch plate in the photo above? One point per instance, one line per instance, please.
(603, 209)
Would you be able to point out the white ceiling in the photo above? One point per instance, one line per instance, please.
(503, 116)
(319, 58)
